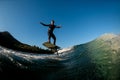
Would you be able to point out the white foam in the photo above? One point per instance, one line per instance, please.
(107, 36)
(65, 50)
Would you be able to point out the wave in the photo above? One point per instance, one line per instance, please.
(96, 60)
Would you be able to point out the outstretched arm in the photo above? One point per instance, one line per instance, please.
(58, 26)
(44, 24)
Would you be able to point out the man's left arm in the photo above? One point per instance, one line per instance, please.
(58, 26)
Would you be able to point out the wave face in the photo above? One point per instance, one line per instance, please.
(96, 60)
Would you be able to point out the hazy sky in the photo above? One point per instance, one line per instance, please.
(81, 20)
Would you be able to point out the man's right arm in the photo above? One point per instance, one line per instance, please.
(44, 24)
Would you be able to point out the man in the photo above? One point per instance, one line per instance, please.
(50, 31)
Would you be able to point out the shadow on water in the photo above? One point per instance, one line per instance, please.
(20, 68)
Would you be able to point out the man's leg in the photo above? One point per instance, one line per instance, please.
(53, 36)
(49, 36)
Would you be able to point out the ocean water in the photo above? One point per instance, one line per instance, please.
(66, 65)
(80, 62)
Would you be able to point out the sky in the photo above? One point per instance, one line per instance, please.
(81, 21)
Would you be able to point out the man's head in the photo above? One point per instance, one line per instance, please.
(52, 22)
